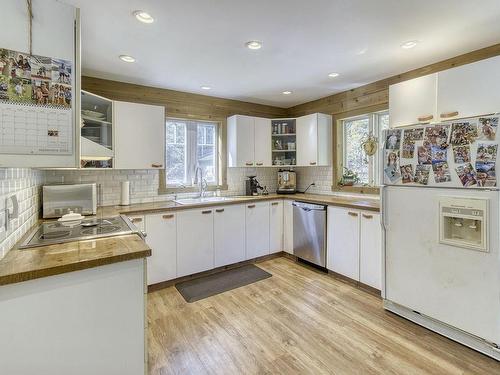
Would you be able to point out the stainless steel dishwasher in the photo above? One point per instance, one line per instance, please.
(309, 232)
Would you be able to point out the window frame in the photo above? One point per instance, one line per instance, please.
(374, 113)
(169, 188)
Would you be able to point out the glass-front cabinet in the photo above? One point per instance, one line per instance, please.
(96, 131)
(284, 142)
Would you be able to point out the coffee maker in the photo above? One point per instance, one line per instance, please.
(252, 186)
(287, 182)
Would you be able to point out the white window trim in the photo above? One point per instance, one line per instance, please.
(191, 146)
(374, 173)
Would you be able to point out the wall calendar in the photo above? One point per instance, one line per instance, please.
(36, 115)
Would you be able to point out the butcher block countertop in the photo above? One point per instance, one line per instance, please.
(27, 264)
(354, 202)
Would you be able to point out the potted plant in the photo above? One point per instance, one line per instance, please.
(349, 177)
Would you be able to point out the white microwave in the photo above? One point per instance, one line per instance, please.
(58, 200)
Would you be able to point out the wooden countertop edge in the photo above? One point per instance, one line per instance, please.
(70, 267)
(367, 207)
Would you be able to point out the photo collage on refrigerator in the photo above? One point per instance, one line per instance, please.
(466, 149)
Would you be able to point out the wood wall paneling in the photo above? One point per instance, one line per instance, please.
(364, 99)
(179, 104)
(377, 93)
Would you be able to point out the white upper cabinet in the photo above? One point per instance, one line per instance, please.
(469, 90)
(413, 101)
(248, 141)
(240, 141)
(466, 91)
(314, 140)
(262, 139)
(31, 135)
(139, 136)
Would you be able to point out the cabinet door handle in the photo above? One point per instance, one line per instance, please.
(156, 165)
(206, 212)
(352, 214)
(274, 203)
(248, 163)
(449, 114)
(312, 163)
(136, 220)
(259, 163)
(170, 216)
(425, 118)
(219, 210)
(251, 206)
(368, 216)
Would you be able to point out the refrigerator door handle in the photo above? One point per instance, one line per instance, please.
(383, 211)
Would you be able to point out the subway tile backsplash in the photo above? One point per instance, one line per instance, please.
(26, 184)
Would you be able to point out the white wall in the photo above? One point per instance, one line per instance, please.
(26, 184)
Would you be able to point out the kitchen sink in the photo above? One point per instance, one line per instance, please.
(210, 199)
(201, 200)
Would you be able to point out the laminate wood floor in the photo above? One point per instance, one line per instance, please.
(299, 321)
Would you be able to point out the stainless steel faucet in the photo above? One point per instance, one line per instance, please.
(200, 181)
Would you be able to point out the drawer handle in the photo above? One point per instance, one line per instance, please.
(168, 216)
(155, 165)
(219, 210)
(352, 214)
(274, 203)
(206, 212)
(449, 114)
(248, 163)
(259, 163)
(312, 163)
(136, 220)
(251, 206)
(368, 216)
(425, 118)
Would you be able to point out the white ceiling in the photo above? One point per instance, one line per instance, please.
(201, 42)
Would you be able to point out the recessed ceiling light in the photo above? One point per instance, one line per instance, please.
(206, 88)
(287, 92)
(361, 51)
(143, 16)
(254, 44)
(127, 58)
(333, 75)
(409, 44)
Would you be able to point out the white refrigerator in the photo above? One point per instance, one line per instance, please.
(440, 216)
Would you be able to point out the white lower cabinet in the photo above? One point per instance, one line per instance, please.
(355, 245)
(257, 229)
(195, 241)
(229, 234)
(343, 242)
(288, 226)
(161, 238)
(276, 227)
(370, 250)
